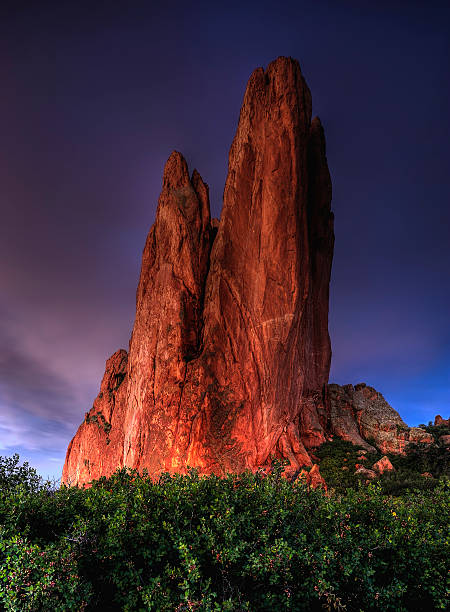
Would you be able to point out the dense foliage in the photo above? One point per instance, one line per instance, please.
(13, 474)
(247, 542)
(339, 459)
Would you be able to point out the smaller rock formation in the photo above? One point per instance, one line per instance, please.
(366, 474)
(100, 430)
(360, 414)
(440, 422)
(313, 478)
(383, 465)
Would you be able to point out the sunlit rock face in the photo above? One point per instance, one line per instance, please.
(229, 356)
(92, 449)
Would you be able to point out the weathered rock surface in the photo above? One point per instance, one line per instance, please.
(230, 353)
(366, 474)
(229, 356)
(360, 413)
(383, 465)
(92, 452)
(313, 478)
(439, 421)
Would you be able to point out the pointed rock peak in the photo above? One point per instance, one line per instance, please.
(200, 186)
(115, 369)
(281, 76)
(202, 190)
(318, 135)
(176, 172)
(197, 179)
(283, 68)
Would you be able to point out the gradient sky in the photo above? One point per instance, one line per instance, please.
(95, 96)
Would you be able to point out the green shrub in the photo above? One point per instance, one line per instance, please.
(437, 431)
(337, 463)
(35, 578)
(13, 475)
(244, 542)
(420, 458)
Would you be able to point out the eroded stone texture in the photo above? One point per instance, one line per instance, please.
(345, 415)
(230, 353)
(360, 413)
(315, 479)
(383, 465)
(265, 360)
(95, 449)
(439, 421)
(167, 331)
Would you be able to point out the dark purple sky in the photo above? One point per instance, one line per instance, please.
(95, 96)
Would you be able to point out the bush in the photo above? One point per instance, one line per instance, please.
(339, 458)
(244, 542)
(13, 475)
(35, 578)
(337, 463)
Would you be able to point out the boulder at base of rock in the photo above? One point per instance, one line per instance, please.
(383, 465)
(365, 473)
(313, 478)
(418, 436)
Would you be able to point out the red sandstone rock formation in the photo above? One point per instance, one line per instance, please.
(360, 413)
(383, 465)
(439, 421)
(229, 356)
(314, 478)
(92, 451)
(230, 352)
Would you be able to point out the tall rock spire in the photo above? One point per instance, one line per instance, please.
(230, 353)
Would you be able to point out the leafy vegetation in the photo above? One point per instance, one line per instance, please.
(339, 460)
(13, 475)
(244, 542)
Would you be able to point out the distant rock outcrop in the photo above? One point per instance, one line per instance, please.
(440, 422)
(360, 414)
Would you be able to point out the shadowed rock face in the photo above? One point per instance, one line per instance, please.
(360, 413)
(230, 354)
